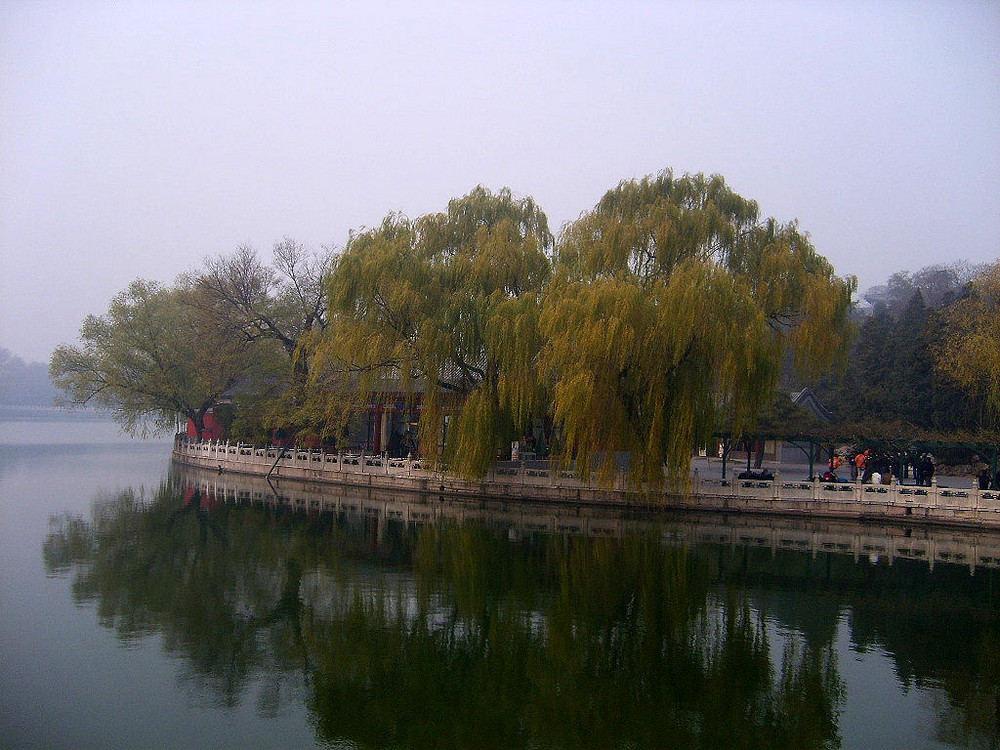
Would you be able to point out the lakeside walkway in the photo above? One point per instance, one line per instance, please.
(945, 504)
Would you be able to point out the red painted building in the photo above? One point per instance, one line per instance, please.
(213, 428)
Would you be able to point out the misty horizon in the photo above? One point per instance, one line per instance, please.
(138, 140)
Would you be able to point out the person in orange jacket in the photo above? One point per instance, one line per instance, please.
(860, 465)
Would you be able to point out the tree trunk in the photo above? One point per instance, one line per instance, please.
(198, 420)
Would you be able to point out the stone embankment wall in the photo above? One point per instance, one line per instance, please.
(904, 503)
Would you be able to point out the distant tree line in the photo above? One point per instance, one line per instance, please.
(662, 314)
(925, 357)
(23, 383)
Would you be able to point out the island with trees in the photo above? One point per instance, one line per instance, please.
(671, 312)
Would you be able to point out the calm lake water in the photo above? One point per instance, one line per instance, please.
(145, 608)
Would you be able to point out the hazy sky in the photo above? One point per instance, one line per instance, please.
(139, 138)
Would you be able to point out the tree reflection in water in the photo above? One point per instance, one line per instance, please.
(469, 635)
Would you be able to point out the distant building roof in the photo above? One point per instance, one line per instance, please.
(810, 401)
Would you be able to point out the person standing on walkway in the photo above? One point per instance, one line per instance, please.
(926, 470)
(860, 464)
(985, 479)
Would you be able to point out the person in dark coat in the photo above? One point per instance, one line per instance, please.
(985, 479)
(926, 470)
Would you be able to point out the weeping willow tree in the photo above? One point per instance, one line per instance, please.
(447, 305)
(673, 302)
(969, 352)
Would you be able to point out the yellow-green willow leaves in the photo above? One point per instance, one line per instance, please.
(671, 303)
(447, 305)
(970, 349)
(156, 353)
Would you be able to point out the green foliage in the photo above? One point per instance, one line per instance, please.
(446, 305)
(669, 303)
(780, 416)
(232, 330)
(276, 306)
(668, 306)
(969, 350)
(153, 355)
(673, 301)
(924, 369)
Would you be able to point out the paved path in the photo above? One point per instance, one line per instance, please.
(711, 468)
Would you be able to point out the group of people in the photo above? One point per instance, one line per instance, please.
(923, 470)
(869, 468)
(988, 480)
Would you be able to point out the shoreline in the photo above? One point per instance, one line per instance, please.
(889, 541)
(968, 508)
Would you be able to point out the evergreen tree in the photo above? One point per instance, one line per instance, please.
(893, 374)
